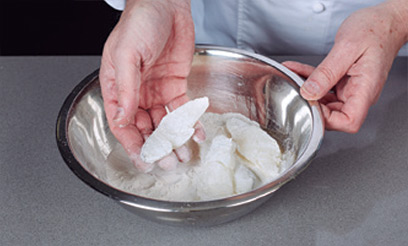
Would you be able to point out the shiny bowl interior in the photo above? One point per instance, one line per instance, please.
(234, 81)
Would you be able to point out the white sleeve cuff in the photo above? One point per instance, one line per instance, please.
(116, 4)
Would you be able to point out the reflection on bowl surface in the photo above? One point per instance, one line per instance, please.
(234, 81)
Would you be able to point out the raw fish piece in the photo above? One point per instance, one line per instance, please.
(244, 179)
(216, 174)
(174, 130)
(260, 150)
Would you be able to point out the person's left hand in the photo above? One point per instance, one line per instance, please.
(357, 66)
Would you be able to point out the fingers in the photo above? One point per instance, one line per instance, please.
(132, 138)
(157, 113)
(183, 153)
(346, 109)
(127, 77)
(119, 90)
(328, 98)
(330, 71)
(168, 162)
(341, 113)
(143, 123)
(301, 69)
(107, 81)
(128, 136)
(177, 102)
(346, 117)
(108, 87)
(359, 90)
(140, 164)
(199, 133)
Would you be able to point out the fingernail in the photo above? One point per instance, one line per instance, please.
(120, 117)
(199, 134)
(183, 153)
(198, 139)
(310, 89)
(140, 164)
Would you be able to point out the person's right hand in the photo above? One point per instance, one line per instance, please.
(145, 62)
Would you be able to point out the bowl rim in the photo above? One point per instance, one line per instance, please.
(178, 206)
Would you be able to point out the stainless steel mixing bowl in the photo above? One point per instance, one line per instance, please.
(235, 81)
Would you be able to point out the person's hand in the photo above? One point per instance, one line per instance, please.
(350, 79)
(145, 62)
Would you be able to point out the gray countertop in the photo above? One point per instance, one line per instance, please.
(355, 192)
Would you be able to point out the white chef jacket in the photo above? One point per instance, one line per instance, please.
(271, 27)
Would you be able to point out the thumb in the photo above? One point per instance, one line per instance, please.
(329, 72)
(127, 77)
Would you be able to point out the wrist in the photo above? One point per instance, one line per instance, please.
(178, 3)
(165, 7)
(399, 9)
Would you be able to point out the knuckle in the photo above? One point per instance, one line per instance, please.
(353, 126)
(126, 93)
(327, 74)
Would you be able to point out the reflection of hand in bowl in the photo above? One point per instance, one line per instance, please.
(234, 81)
